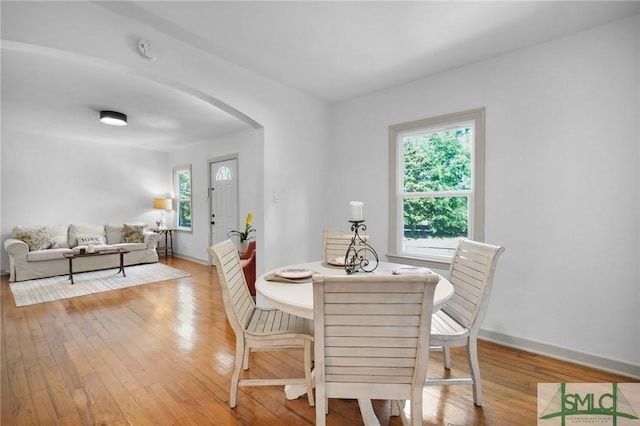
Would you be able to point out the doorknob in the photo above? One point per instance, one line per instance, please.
(213, 222)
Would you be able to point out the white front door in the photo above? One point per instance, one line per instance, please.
(224, 198)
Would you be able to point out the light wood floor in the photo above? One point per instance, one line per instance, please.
(162, 354)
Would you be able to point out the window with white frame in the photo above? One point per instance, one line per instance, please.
(436, 186)
(182, 188)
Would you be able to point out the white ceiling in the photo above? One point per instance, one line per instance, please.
(331, 50)
(53, 97)
(337, 50)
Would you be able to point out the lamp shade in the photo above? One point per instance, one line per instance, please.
(162, 204)
(113, 118)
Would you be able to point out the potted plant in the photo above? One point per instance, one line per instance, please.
(244, 236)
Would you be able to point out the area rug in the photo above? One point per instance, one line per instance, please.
(49, 289)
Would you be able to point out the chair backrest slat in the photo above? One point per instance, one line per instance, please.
(372, 333)
(471, 274)
(238, 303)
(336, 243)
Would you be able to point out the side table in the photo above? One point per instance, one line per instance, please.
(168, 239)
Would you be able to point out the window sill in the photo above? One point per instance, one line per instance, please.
(419, 261)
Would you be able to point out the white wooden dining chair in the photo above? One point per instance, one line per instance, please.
(258, 329)
(458, 322)
(336, 243)
(372, 338)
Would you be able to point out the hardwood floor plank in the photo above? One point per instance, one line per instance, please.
(156, 411)
(162, 354)
(40, 394)
(19, 403)
(100, 405)
(87, 410)
(176, 408)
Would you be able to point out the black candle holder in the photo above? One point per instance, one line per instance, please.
(357, 256)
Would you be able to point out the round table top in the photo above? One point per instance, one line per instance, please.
(297, 298)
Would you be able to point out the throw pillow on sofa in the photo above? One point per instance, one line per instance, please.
(76, 230)
(133, 233)
(114, 233)
(59, 234)
(85, 240)
(37, 238)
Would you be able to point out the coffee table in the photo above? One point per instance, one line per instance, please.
(76, 255)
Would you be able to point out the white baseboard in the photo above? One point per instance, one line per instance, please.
(565, 354)
(193, 259)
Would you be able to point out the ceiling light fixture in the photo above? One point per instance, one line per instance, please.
(113, 118)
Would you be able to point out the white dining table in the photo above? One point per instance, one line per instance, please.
(297, 299)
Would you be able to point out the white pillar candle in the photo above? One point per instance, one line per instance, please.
(356, 210)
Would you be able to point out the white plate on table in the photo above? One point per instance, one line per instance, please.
(404, 270)
(295, 273)
(336, 261)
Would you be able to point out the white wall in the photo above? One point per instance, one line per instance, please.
(562, 185)
(47, 182)
(245, 144)
(291, 155)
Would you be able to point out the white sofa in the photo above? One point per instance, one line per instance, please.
(38, 251)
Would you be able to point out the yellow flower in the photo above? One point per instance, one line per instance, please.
(246, 235)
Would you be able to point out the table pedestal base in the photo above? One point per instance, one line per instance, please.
(366, 408)
(294, 391)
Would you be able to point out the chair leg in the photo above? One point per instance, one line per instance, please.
(245, 358)
(307, 371)
(416, 409)
(322, 408)
(396, 407)
(368, 415)
(235, 375)
(474, 366)
(447, 357)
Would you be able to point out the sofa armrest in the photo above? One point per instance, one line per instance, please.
(15, 247)
(17, 251)
(152, 239)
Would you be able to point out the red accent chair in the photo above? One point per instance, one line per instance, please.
(248, 262)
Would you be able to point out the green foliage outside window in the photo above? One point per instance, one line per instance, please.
(184, 199)
(438, 162)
